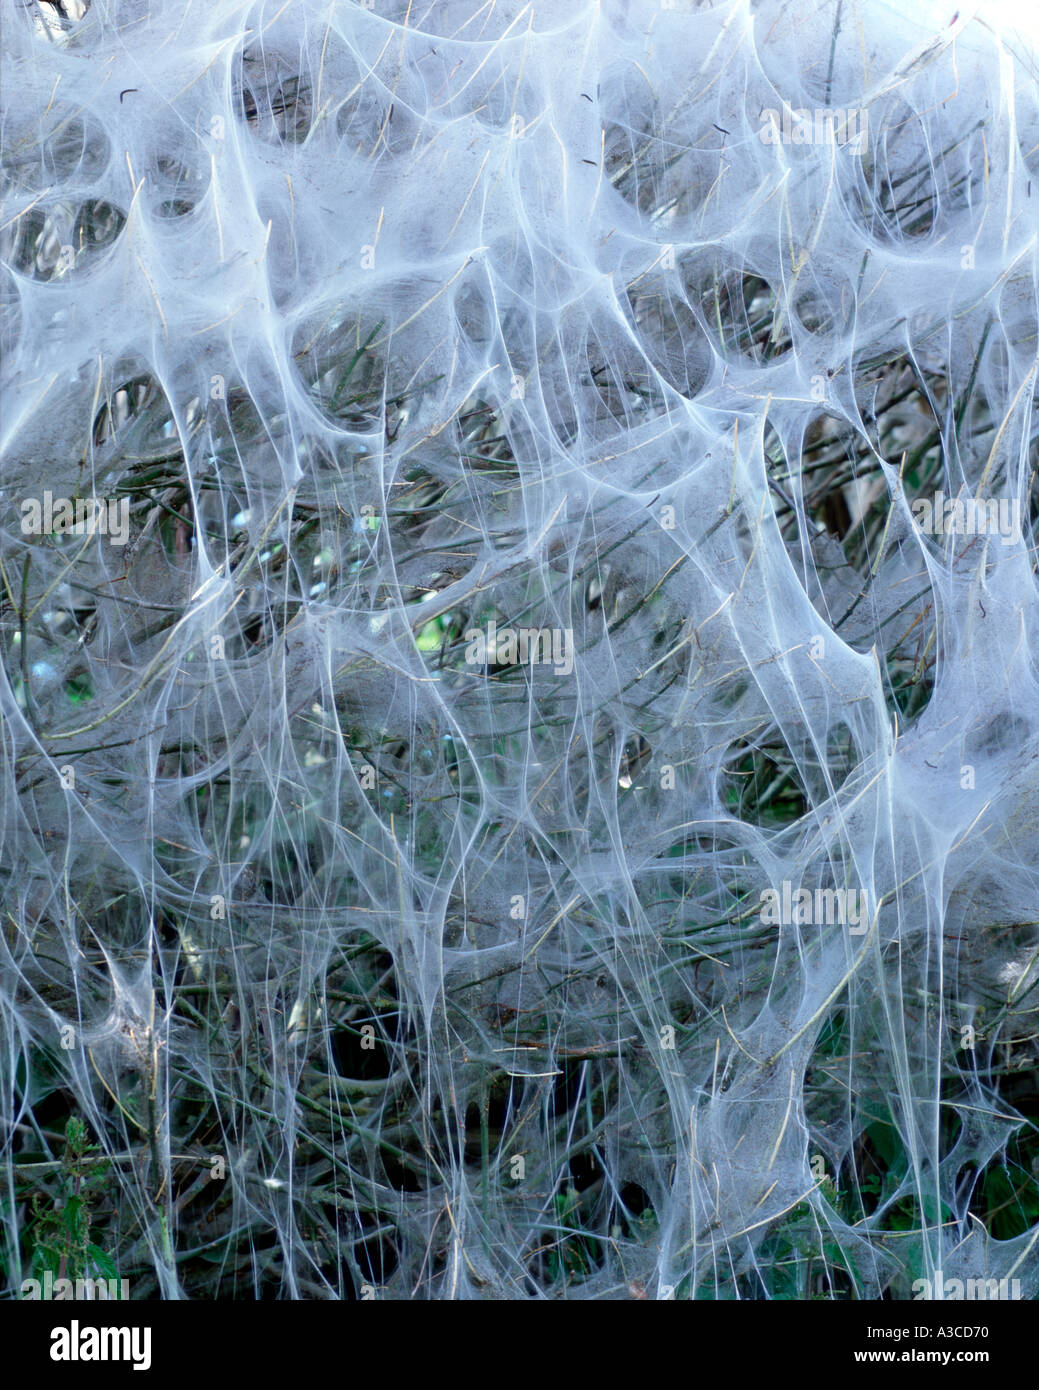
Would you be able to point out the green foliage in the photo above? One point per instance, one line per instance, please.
(1009, 1200)
(570, 1257)
(61, 1225)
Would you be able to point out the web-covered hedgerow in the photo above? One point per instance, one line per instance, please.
(518, 773)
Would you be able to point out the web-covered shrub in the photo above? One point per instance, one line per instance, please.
(524, 782)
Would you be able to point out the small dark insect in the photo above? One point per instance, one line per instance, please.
(587, 97)
(722, 129)
(592, 162)
(126, 92)
(982, 607)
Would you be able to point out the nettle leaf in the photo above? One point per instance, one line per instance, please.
(104, 1264)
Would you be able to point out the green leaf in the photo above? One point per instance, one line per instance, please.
(103, 1263)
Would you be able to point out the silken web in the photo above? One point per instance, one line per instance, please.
(522, 788)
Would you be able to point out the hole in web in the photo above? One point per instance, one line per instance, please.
(273, 100)
(763, 783)
(743, 314)
(57, 240)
